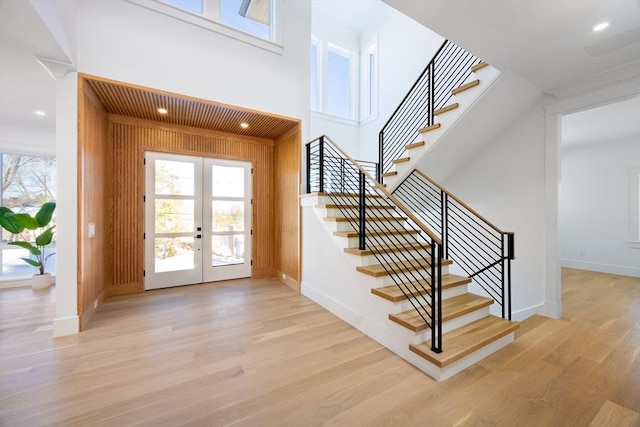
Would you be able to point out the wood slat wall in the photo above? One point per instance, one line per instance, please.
(94, 199)
(130, 138)
(287, 207)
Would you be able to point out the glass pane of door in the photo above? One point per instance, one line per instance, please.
(173, 214)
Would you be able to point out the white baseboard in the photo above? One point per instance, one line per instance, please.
(620, 270)
(552, 309)
(66, 326)
(520, 315)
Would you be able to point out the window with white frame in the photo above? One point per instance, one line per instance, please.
(369, 80)
(333, 79)
(28, 181)
(249, 16)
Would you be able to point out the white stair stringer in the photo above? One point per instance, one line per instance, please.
(447, 120)
(331, 280)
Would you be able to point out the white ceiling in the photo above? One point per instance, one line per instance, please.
(25, 85)
(609, 123)
(547, 42)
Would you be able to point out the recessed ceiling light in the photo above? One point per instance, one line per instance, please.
(601, 26)
(162, 110)
(40, 113)
(244, 125)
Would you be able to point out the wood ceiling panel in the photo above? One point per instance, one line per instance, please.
(143, 103)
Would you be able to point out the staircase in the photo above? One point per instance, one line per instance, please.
(381, 251)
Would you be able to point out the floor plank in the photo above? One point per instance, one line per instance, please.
(256, 353)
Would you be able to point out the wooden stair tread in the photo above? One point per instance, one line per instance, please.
(388, 248)
(478, 66)
(383, 218)
(465, 87)
(465, 340)
(429, 128)
(373, 233)
(376, 196)
(334, 206)
(401, 160)
(414, 145)
(446, 108)
(394, 294)
(392, 173)
(379, 270)
(451, 308)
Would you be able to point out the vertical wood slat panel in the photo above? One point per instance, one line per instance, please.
(94, 196)
(131, 138)
(287, 208)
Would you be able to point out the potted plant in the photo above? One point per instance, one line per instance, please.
(42, 235)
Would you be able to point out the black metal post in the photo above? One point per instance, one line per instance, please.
(444, 206)
(308, 168)
(436, 298)
(362, 242)
(380, 156)
(512, 255)
(502, 254)
(431, 92)
(342, 175)
(321, 167)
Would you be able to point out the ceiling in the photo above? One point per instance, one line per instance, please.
(550, 43)
(142, 103)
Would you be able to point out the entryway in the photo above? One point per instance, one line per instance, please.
(197, 219)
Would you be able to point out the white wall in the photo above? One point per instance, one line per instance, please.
(505, 184)
(594, 207)
(123, 41)
(127, 42)
(404, 50)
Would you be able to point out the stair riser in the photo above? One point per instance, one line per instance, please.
(404, 305)
(448, 326)
(354, 212)
(371, 259)
(352, 242)
(349, 200)
(373, 225)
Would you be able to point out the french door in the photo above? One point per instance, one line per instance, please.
(197, 220)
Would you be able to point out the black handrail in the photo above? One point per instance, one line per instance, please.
(480, 248)
(448, 69)
(408, 250)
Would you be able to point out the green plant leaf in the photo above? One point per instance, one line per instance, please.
(31, 261)
(8, 222)
(24, 219)
(44, 215)
(28, 246)
(45, 238)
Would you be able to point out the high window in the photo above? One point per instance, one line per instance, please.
(369, 81)
(333, 79)
(27, 182)
(249, 16)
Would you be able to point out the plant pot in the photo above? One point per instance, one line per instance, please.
(41, 281)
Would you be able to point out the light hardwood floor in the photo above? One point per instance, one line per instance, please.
(256, 353)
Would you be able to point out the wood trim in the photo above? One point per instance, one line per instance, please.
(288, 280)
(115, 118)
(173, 94)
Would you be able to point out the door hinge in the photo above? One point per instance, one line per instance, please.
(252, 170)
(144, 160)
(251, 262)
(144, 199)
(252, 231)
(144, 273)
(144, 236)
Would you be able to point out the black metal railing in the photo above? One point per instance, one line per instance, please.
(482, 250)
(409, 252)
(447, 70)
